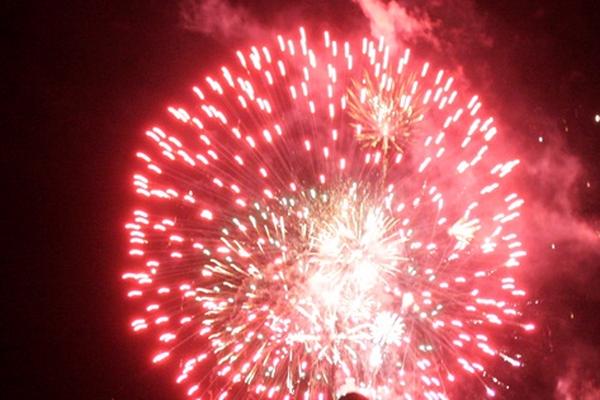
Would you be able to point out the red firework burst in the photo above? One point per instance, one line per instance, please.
(326, 220)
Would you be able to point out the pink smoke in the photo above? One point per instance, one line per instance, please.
(396, 24)
(218, 18)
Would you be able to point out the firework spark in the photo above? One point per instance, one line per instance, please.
(277, 256)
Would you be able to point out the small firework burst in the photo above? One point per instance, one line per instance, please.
(386, 111)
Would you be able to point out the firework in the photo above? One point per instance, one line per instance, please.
(292, 242)
(386, 113)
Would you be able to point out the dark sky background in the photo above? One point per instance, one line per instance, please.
(84, 82)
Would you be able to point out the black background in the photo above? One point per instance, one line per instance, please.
(85, 80)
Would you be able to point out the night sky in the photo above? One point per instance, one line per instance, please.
(86, 80)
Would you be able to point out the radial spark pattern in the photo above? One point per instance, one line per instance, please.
(276, 256)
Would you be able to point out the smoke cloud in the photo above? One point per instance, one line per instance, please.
(397, 24)
(219, 19)
(580, 381)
